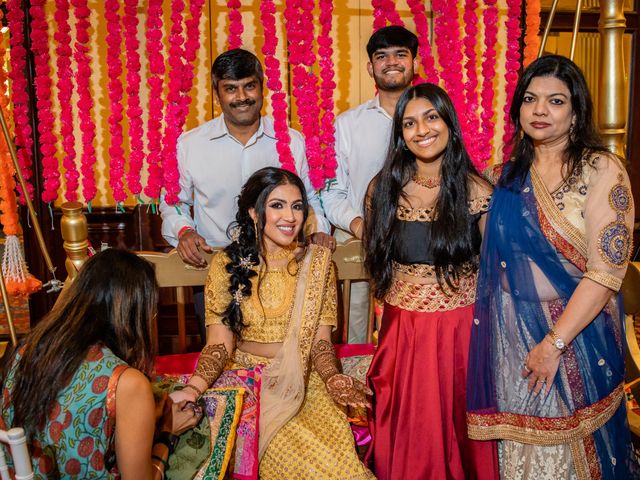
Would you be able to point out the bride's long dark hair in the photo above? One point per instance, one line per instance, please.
(247, 237)
(451, 228)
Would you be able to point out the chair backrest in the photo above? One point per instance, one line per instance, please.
(348, 258)
(172, 272)
(17, 442)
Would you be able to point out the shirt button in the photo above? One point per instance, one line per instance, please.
(613, 460)
(476, 321)
(601, 362)
(526, 190)
(503, 264)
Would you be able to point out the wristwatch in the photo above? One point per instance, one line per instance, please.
(557, 342)
(168, 439)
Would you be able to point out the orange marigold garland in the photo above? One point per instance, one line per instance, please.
(531, 38)
(16, 276)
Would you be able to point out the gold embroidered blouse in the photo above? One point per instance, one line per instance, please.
(266, 313)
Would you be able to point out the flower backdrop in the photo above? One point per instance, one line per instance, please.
(152, 60)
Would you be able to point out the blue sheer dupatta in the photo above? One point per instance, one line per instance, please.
(530, 266)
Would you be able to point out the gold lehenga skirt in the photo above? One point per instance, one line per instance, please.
(316, 443)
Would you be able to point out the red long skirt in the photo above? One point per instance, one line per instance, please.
(418, 375)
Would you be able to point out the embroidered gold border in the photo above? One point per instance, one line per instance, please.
(604, 278)
(431, 297)
(408, 214)
(555, 216)
(544, 431)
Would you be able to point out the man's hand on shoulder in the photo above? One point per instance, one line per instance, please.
(324, 239)
(189, 246)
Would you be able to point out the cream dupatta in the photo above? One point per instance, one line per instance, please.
(284, 379)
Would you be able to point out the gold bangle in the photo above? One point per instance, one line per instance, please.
(159, 470)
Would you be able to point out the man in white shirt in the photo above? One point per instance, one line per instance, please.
(216, 158)
(362, 142)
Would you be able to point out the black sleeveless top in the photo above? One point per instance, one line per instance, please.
(413, 232)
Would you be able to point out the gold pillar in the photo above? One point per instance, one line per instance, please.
(73, 226)
(612, 105)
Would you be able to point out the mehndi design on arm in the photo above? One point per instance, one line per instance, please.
(211, 363)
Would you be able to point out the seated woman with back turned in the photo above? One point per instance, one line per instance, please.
(272, 301)
(78, 383)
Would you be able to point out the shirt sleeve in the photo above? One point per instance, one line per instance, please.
(316, 222)
(335, 198)
(175, 217)
(216, 293)
(608, 214)
(329, 313)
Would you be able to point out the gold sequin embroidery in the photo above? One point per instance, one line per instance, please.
(477, 205)
(424, 270)
(431, 297)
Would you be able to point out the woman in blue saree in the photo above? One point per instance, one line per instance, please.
(546, 366)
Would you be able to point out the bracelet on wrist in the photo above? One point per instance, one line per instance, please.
(159, 470)
(184, 230)
(164, 463)
(194, 388)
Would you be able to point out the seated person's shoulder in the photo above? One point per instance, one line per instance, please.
(132, 382)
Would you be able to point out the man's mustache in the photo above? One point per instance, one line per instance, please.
(248, 102)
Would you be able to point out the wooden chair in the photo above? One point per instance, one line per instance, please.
(172, 272)
(17, 442)
(348, 258)
(631, 296)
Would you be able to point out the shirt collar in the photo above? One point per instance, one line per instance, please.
(374, 104)
(219, 128)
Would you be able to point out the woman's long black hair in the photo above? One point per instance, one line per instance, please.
(584, 137)
(112, 301)
(246, 245)
(451, 228)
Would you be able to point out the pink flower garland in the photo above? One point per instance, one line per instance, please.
(299, 23)
(114, 64)
(278, 97)
(471, 86)
(514, 8)
(40, 49)
(65, 91)
(450, 53)
(422, 31)
(155, 48)
(384, 10)
(134, 111)
(85, 100)
(327, 87)
(173, 112)
(19, 93)
(191, 47)
(235, 24)
(490, 21)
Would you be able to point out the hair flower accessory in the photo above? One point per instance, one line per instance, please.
(238, 296)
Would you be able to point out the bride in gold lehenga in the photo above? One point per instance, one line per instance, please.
(271, 301)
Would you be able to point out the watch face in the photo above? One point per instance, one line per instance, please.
(559, 343)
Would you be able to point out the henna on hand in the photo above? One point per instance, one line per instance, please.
(343, 389)
(211, 363)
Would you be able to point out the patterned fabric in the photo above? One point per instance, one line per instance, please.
(266, 314)
(222, 407)
(535, 252)
(431, 297)
(77, 440)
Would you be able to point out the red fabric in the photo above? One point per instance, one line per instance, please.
(418, 375)
(179, 364)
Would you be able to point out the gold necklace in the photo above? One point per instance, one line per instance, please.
(427, 182)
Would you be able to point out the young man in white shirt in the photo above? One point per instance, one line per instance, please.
(362, 141)
(216, 158)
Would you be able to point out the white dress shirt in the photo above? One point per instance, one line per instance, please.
(362, 140)
(213, 167)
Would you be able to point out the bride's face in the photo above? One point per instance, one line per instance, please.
(284, 216)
